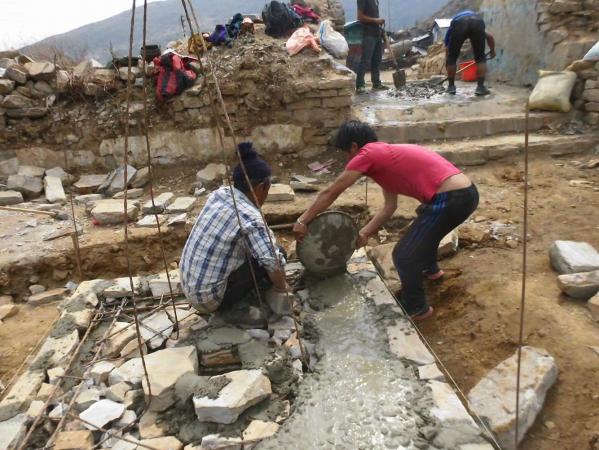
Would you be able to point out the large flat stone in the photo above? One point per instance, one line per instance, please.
(280, 193)
(116, 180)
(59, 172)
(28, 186)
(159, 285)
(579, 285)
(573, 257)
(494, 397)
(149, 221)
(155, 329)
(257, 431)
(381, 255)
(160, 203)
(102, 413)
(181, 205)
(211, 173)
(121, 288)
(55, 352)
(112, 212)
(448, 406)
(165, 367)
(121, 334)
(12, 431)
(32, 171)
(47, 296)
(21, 394)
(245, 388)
(404, 342)
(89, 184)
(8, 198)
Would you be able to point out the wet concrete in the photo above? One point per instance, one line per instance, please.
(361, 396)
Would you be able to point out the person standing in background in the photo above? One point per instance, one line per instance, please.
(372, 45)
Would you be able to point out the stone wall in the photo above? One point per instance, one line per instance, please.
(284, 110)
(539, 34)
(589, 90)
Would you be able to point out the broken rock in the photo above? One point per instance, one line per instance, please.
(155, 329)
(142, 177)
(593, 306)
(164, 443)
(116, 180)
(102, 413)
(181, 205)
(245, 388)
(100, 371)
(60, 173)
(56, 351)
(112, 212)
(74, 440)
(149, 221)
(160, 203)
(159, 286)
(211, 173)
(89, 184)
(494, 397)
(8, 311)
(280, 193)
(579, 285)
(47, 296)
(54, 190)
(28, 186)
(12, 431)
(165, 367)
(121, 334)
(21, 394)
(8, 198)
(573, 257)
(257, 431)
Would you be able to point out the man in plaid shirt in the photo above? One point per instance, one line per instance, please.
(215, 271)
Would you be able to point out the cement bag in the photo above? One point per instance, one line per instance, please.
(593, 53)
(553, 90)
(332, 41)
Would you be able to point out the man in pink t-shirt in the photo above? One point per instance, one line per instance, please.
(447, 197)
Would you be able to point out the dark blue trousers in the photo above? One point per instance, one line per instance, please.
(372, 55)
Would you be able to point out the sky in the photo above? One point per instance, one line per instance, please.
(23, 22)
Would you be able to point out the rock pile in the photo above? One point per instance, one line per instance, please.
(211, 381)
(589, 99)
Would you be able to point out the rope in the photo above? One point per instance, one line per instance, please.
(241, 163)
(524, 271)
(126, 191)
(151, 170)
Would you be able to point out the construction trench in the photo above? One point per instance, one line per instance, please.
(363, 376)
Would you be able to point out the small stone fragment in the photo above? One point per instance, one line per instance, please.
(8, 198)
(131, 193)
(102, 413)
(89, 184)
(160, 203)
(218, 442)
(117, 392)
(74, 440)
(593, 305)
(149, 221)
(141, 178)
(430, 372)
(47, 296)
(259, 430)
(179, 219)
(87, 398)
(211, 173)
(7, 311)
(280, 193)
(181, 205)
(579, 285)
(100, 371)
(118, 339)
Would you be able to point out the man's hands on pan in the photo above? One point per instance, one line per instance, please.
(300, 231)
(362, 240)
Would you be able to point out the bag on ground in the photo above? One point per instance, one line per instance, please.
(280, 19)
(553, 90)
(332, 41)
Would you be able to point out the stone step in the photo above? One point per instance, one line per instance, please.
(480, 151)
(460, 128)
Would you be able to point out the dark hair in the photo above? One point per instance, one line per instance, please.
(258, 170)
(354, 131)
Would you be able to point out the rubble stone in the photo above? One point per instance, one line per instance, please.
(149, 427)
(181, 205)
(404, 342)
(17, 73)
(149, 221)
(165, 367)
(131, 193)
(74, 440)
(8, 198)
(9, 166)
(88, 200)
(111, 212)
(117, 341)
(16, 101)
(211, 173)
(381, 255)
(127, 419)
(55, 374)
(280, 138)
(21, 394)
(121, 287)
(7, 311)
(100, 371)
(35, 409)
(430, 372)
(161, 202)
(6, 86)
(164, 443)
(131, 350)
(258, 430)
(246, 388)
(117, 392)
(179, 219)
(218, 442)
(47, 296)
(116, 180)
(87, 398)
(12, 431)
(56, 351)
(142, 177)
(89, 184)
(449, 244)
(280, 193)
(130, 372)
(155, 329)
(36, 289)
(159, 285)
(579, 285)
(59, 172)
(46, 390)
(573, 257)
(54, 190)
(493, 398)
(26, 185)
(40, 70)
(102, 413)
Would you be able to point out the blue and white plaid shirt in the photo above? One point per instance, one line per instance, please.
(214, 248)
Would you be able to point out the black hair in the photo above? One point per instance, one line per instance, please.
(257, 170)
(242, 186)
(354, 131)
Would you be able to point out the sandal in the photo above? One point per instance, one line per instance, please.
(422, 316)
(435, 276)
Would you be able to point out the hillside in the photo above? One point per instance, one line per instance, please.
(164, 25)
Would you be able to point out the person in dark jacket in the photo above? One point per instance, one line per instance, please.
(372, 45)
(468, 25)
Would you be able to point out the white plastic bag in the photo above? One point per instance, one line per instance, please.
(553, 90)
(593, 53)
(332, 41)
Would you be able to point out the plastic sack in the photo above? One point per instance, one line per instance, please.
(593, 53)
(553, 90)
(301, 38)
(332, 41)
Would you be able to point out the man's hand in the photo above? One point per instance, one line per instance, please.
(362, 240)
(380, 22)
(492, 54)
(300, 231)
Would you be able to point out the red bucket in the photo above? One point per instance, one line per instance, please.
(470, 74)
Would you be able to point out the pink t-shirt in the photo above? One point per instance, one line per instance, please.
(405, 169)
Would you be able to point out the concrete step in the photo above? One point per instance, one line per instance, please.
(480, 151)
(470, 127)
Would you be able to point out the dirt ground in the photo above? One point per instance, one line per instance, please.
(477, 306)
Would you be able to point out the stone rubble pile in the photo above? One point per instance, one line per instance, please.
(588, 94)
(578, 266)
(224, 379)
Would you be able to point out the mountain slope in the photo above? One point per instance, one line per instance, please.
(164, 25)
